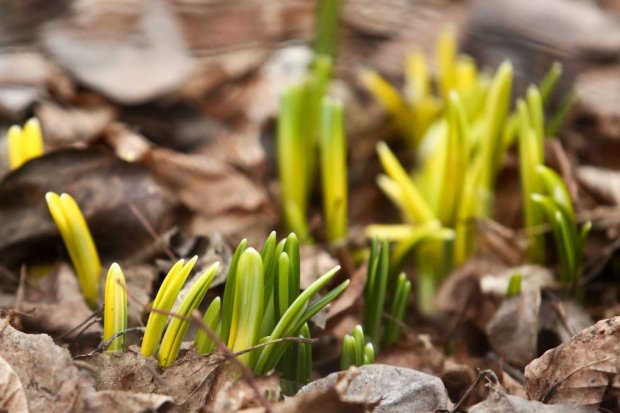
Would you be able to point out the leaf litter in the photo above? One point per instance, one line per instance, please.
(167, 147)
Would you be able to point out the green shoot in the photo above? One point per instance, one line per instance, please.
(164, 300)
(24, 144)
(294, 182)
(78, 241)
(531, 155)
(355, 350)
(293, 319)
(558, 208)
(375, 292)
(397, 310)
(514, 285)
(248, 303)
(297, 142)
(203, 343)
(115, 309)
(175, 333)
(326, 30)
(229, 291)
(375, 289)
(334, 170)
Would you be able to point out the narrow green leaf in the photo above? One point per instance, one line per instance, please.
(177, 328)
(115, 308)
(203, 343)
(164, 300)
(229, 290)
(248, 303)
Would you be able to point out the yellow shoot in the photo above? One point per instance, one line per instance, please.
(24, 144)
(115, 308)
(78, 241)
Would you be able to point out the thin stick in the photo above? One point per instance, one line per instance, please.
(151, 231)
(484, 374)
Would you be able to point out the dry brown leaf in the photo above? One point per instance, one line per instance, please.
(386, 388)
(52, 381)
(130, 54)
(23, 76)
(604, 183)
(236, 395)
(583, 371)
(12, 394)
(513, 331)
(127, 402)
(55, 304)
(413, 352)
(189, 381)
(124, 371)
(64, 126)
(500, 401)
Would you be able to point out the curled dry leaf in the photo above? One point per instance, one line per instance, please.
(12, 394)
(127, 402)
(500, 401)
(385, 388)
(52, 381)
(583, 371)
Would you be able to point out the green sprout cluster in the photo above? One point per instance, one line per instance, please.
(556, 203)
(309, 120)
(375, 292)
(262, 303)
(355, 350)
(460, 127)
(545, 196)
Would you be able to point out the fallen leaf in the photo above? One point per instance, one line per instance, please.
(582, 371)
(533, 278)
(53, 382)
(128, 371)
(238, 395)
(55, 304)
(190, 379)
(500, 401)
(130, 54)
(64, 126)
(513, 331)
(127, 402)
(386, 388)
(12, 394)
(413, 352)
(604, 183)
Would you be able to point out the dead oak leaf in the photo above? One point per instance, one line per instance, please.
(50, 379)
(582, 371)
(12, 394)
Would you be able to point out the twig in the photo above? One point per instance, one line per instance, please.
(90, 320)
(482, 374)
(151, 231)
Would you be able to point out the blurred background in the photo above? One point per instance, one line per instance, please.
(201, 79)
